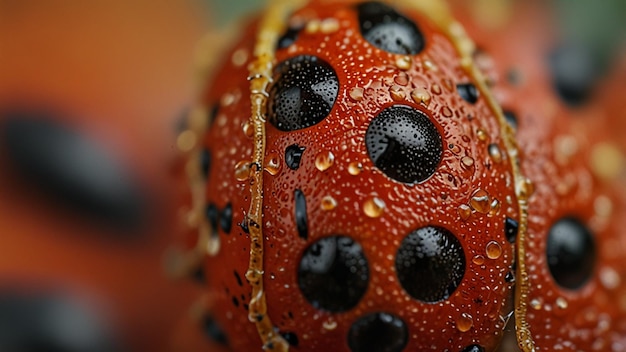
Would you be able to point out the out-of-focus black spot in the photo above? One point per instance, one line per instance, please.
(212, 214)
(511, 119)
(291, 338)
(214, 331)
(205, 162)
(574, 73)
(215, 110)
(198, 275)
(75, 171)
(50, 322)
(571, 253)
(226, 218)
(289, 37)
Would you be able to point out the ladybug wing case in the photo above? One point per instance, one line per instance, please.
(355, 185)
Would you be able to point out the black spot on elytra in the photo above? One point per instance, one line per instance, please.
(430, 264)
(404, 144)
(378, 332)
(238, 278)
(571, 253)
(235, 301)
(244, 225)
(302, 222)
(510, 229)
(385, 28)
(474, 348)
(333, 274)
(303, 93)
(72, 169)
(293, 156)
(468, 92)
(510, 277)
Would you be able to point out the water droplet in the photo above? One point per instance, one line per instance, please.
(355, 168)
(239, 58)
(478, 259)
(313, 26)
(248, 129)
(404, 62)
(328, 203)
(421, 96)
(242, 170)
(607, 161)
(482, 135)
(401, 79)
(536, 303)
(603, 206)
(324, 160)
(446, 111)
(356, 93)
(467, 161)
(494, 250)
(480, 201)
(396, 93)
(495, 153)
(436, 89)
(609, 278)
(329, 325)
(429, 65)
(561, 303)
(454, 148)
(464, 211)
(329, 25)
(465, 322)
(374, 207)
(272, 165)
(495, 207)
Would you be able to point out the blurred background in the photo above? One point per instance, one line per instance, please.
(91, 93)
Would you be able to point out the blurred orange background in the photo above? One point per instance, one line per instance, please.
(119, 75)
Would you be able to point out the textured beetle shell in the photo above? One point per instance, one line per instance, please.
(472, 193)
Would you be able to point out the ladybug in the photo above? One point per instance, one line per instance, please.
(364, 177)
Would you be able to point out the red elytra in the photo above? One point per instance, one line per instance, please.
(365, 191)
